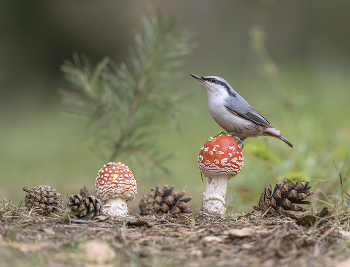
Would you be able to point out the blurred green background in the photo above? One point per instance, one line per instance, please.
(301, 84)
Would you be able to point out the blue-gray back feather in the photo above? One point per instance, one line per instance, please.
(241, 107)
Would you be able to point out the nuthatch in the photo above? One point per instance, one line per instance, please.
(233, 113)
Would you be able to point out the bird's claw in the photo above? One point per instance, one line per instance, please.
(233, 135)
(238, 140)
(220, 133)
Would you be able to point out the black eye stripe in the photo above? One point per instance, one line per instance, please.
(213, 80)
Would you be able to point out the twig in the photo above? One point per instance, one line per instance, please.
(341, 181)
(333, 178)
(325, 234)
(79, 221)
(262, 216)
(13, 208)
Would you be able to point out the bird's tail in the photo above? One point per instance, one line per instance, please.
(271, 131)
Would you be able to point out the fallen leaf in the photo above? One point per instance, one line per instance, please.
(133, 235)
(344, 263)
(212, 238)
(344, 233)
(27, 247)
(196, 252)
(233, 233)
(247, 246)
(98, 251)
(180, 218)
(262, 231)
(49, 231)
(307, 220)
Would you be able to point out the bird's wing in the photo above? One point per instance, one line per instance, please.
(248, 113)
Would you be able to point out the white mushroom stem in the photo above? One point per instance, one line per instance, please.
(115, 207)
(214, 195)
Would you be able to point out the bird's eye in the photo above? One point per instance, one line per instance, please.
(213, 80)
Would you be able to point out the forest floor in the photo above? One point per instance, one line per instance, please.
(250, 240)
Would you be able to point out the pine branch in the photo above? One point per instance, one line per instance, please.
(141, 88)
(125, 103)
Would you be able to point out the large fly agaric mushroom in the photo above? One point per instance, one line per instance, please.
(115, 185)
(220, 159)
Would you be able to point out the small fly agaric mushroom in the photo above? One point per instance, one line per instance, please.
(220, 159)
(115, 185)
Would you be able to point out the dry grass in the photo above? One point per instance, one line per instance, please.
(29, 239)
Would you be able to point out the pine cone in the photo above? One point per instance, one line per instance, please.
(43, 199)
(83, 204)
(284, 197)
(163, 200)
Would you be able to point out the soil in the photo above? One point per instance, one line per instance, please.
(29, 239)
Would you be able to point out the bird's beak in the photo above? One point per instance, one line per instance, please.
(198, 78)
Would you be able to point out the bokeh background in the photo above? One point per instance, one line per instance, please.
(299, 79)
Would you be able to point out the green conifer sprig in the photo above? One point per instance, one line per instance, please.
(128, 102)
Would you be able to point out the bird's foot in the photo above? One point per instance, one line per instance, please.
(220, 133)
(234, 136)
(240, 141)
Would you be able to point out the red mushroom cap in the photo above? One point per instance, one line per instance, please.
(115, 180)
(220, 155)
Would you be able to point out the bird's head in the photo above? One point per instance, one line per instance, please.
(214, 84)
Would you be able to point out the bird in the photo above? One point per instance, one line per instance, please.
(233, 113)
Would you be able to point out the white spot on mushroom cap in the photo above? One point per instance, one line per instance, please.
(224, 162)
(211, 152)
(206, 149)
(231, 148)
(207, 162)
(221, 152)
